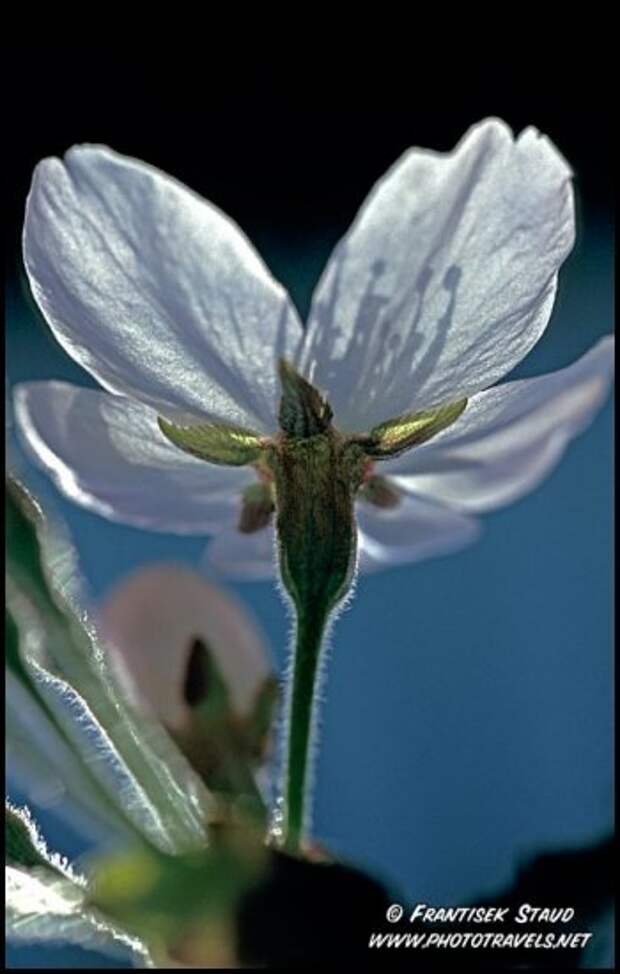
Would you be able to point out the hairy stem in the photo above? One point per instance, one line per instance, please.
(308, 642)
(315, 480)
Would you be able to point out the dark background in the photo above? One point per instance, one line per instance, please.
(468, 717)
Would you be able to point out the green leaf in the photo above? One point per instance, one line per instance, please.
(127, 756)
(46, 900)
(22, 543)
(215, 442)
(43, 907)
(43, 762)
(400, 434)
(23, 846)
(40, 754)
(12, 657)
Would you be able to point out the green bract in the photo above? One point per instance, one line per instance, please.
(221, 444)
(394, 437)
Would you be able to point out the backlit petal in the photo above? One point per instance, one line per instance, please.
(155, 291)
(446, 278)
(107, 454)
(415, 530)
(244, 556)
(510, 437)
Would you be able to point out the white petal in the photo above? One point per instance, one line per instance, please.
(152, 620)
(107, 454)
(510, 437)
(243, 556)
(446, 278)
(415, 530)
(154, 290)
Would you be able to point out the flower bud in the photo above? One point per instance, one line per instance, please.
(257, 508)
(155, 623)
(303, 410)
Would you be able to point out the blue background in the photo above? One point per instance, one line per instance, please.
(468, 715)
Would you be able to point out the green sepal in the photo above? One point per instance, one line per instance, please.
(229, 446)
(315, 483)
(400, 434)
(303, 410)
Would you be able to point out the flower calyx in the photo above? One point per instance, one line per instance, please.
(303, 410)
(220, 443)
(400, 434)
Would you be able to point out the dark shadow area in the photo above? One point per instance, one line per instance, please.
(305, 914)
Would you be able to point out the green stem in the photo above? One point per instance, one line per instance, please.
(315, 481)
(308, 640)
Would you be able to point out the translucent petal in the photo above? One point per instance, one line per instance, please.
(446, 278)
(244, 556)
(509, 438)
(108, 454)
(155, 291)
(415, 530)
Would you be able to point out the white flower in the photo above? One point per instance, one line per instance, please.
(443, 284)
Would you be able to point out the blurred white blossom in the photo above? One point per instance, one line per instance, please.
(152, 623)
